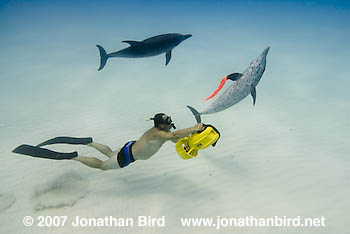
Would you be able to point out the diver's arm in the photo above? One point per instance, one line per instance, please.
(179, 133)
(175, 140)
(175, 135)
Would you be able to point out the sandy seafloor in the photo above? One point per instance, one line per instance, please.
(286, 156)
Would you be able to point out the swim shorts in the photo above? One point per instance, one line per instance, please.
(125, 156)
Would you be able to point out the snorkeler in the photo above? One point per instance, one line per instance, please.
(145, 147)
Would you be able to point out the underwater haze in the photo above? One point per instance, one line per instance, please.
(287, 156)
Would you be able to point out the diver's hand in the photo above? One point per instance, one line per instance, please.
(198, 127)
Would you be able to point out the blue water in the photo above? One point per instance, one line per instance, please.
(298, 131)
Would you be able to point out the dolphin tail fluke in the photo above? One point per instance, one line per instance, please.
(103, 56)
(196, 114)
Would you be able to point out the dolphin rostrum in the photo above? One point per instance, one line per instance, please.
(243, 85)
(149, 47)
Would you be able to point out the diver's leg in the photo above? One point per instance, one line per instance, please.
(104, 149)
(89, 161)
(93, 162)
(110, 164)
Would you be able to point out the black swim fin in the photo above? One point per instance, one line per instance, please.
(67, 140)
(38, 152)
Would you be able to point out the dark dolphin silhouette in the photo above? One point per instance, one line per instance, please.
(149, 47)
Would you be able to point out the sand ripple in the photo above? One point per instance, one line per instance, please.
(64, 191)
(6, 201)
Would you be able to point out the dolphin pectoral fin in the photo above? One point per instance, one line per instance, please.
(253, 93)
(234, 76)
(167, 57)
(133, 43)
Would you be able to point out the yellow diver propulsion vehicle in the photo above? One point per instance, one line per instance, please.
(188, 147)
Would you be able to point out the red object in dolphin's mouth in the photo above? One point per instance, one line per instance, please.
(222, 82)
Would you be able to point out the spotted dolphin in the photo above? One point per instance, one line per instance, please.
(149, 47)
(243, 85)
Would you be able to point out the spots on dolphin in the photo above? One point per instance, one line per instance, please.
(6, 201)
(64, 191)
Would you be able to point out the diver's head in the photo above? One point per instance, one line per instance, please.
(163, 122)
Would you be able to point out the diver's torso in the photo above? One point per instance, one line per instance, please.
(146, 146)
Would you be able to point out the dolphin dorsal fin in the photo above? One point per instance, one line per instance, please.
(234, 76)
(133, 43)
